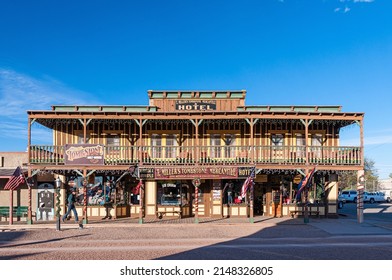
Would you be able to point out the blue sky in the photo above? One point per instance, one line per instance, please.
(283, 52)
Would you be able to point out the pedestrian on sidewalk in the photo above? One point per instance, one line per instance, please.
(71, 206)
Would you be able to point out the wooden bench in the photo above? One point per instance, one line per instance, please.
(302, 212)
(17, 211)
(160, 214)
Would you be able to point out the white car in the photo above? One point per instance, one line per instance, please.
(349, 196)
(373, 197)
(387, 195)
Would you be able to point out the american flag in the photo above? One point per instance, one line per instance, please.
(248, 182)
(305, 182)
(137, 188)
(16, 179)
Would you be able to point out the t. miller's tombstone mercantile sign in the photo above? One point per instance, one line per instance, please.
(192, 172)
(83, 154)
(202, 105)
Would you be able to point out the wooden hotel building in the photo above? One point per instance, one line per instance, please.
(193, 151)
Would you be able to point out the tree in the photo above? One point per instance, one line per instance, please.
(349, 180)
(390, 175)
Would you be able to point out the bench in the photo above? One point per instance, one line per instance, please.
(302, 212)
(17, 211)
(160, 214)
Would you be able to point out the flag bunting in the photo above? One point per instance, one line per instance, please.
(16, 180)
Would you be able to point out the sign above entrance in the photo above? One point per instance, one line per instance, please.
(200, 172)
(202, 105)
(146, 173)
(83, 154)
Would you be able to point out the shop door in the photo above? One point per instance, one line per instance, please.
(206, 189)
(276, 207)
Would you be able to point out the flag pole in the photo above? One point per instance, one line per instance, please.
(11, 221)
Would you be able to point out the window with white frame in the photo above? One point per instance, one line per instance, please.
(156, 145)
(229, 140)
(317, 143)
(171, 144)
(215, 143)
(113, 140)
(300, 144)
(277, 139)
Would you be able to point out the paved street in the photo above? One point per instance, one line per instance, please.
(268, 238)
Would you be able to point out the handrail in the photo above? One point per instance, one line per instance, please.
(209, 155)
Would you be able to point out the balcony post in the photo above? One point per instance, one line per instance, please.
(306, 141)
(252, 141)
(362, 144)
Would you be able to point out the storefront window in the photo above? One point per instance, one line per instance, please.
(231, 192)
(97, 192)
(169, 194)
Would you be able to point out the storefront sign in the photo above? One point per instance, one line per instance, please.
(297, 179)
(216, 190)
(262, 178)
(192, 172)
(147, 173)
(244, 172)
(83, 154)
(186, 105)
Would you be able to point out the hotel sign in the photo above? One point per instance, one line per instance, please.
(203, 105)
(200, 172)
(83, 154)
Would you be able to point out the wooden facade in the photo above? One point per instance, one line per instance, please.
(211, 135)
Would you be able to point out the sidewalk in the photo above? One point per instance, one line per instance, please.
(340, 226)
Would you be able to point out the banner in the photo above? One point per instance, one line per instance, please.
(83, 154)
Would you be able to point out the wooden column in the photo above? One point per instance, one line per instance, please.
(29, 141)
(85, 218)
(84, 131)
(251, 214)
(252, 141)
(197, 141)
(141, 141)
(141, 202)
(306, 141)
(362, 144)
(30, 209)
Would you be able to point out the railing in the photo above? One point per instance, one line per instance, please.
(210, 155)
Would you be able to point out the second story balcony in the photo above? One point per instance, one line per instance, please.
(210, 155)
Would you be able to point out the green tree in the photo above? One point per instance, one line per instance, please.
(349, 180)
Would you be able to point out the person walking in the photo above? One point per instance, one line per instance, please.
(71, 206)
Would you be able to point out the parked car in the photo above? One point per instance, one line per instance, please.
(387, 195)
(341, 202)
(373, 197)
(349, 196)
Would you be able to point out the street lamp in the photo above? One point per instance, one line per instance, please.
(58, 208)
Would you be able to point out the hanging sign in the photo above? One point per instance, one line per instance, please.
(188, 105)
(83, 154)
(192, 172)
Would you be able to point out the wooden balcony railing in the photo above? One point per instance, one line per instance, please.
(210, 155)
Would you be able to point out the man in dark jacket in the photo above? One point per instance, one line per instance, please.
(71, 206)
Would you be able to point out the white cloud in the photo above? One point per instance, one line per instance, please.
(346, 8)
(363, 1)
(20, 93)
